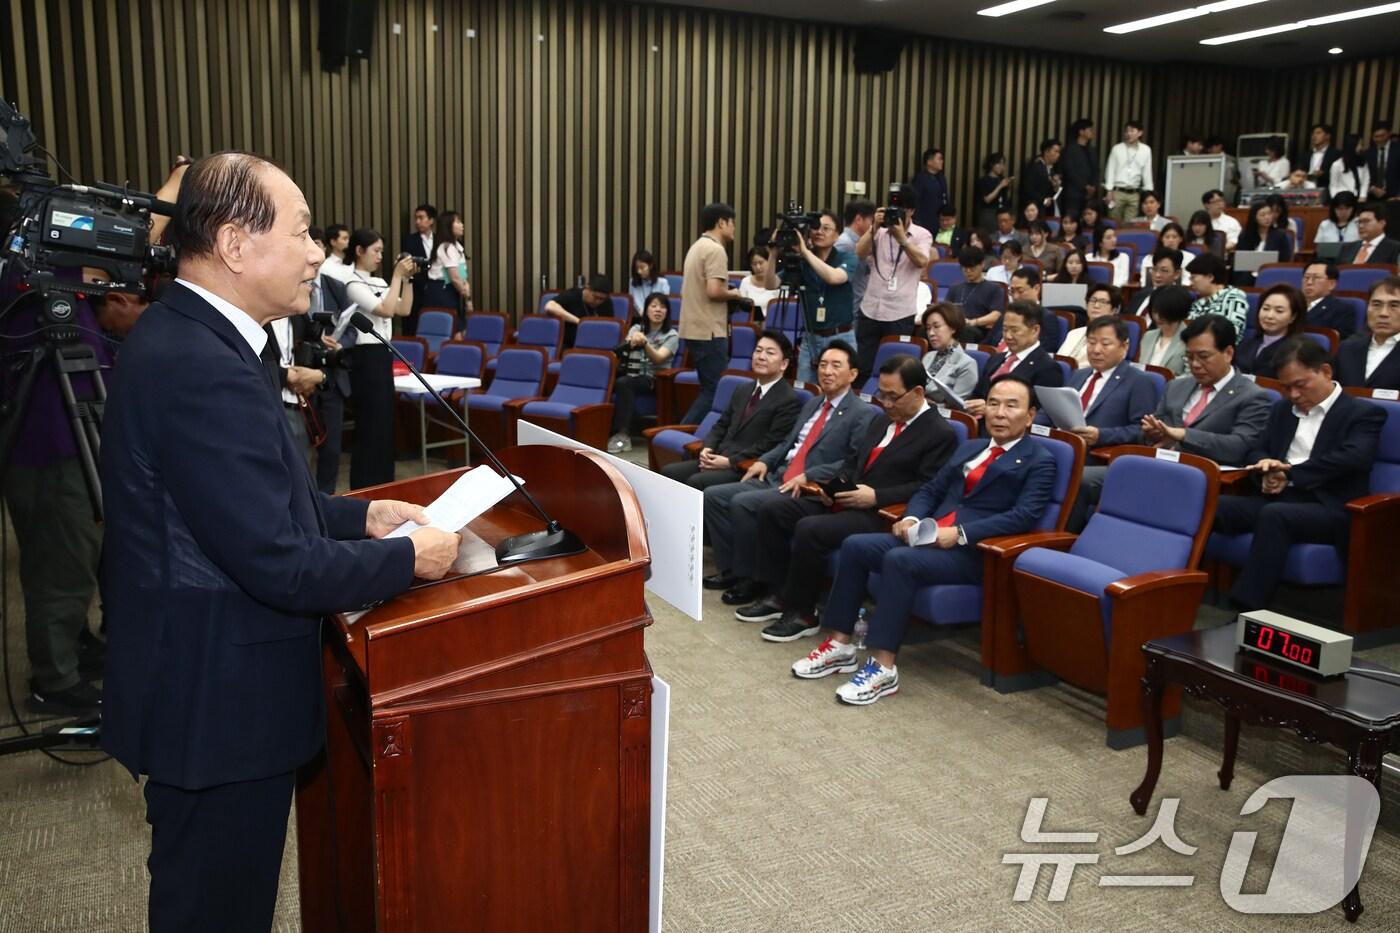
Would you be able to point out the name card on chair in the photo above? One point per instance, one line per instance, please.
(1173, 455)
(1040, 430)
(1389, 394)
(904, 338)
(969, 346)
(865, 396)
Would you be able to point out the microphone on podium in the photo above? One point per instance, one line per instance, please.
(555, 540)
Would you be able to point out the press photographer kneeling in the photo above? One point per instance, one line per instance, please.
(803, 259)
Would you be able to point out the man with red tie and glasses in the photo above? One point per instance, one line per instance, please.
(997, 485)
(901, 450)
(1023, 357)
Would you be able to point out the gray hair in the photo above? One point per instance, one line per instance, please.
(223, 188)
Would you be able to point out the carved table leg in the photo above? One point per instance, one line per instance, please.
(1364, 759)
(1152, 722)
(1232, 744)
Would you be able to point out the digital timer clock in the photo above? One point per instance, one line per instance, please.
(1301, 644)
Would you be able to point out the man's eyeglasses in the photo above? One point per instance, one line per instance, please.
(890, 398)
(1099, 302)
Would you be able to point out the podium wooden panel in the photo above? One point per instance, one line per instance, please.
(488, 746)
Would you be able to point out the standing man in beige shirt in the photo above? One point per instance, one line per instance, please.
(705, 295)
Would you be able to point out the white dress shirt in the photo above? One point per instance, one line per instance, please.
(976, 461)
(1228, 226)
(1128, 166)
(1341, 179)
(835, 403)
(367, 291)
(1276, 172)
(282, 330)
(1309, 422)
(889, 431)
(1196, 393)
(245, 325)
(1377, 352)
(336, 269)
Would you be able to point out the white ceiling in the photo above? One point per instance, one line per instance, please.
(1076, 26)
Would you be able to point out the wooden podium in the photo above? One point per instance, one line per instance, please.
(488, 740)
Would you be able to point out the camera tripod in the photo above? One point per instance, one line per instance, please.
(58, 349)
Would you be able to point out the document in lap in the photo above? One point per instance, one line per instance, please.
(1062, 404)
(925, 532)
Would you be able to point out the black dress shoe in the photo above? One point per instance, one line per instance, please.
(790, 627)
(744, 592)
(80, 699)
(720, 581)
(765, 610)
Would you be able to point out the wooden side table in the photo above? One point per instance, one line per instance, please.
(1358, 714)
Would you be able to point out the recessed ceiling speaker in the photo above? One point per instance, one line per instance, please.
(347, 31)
(877, 51)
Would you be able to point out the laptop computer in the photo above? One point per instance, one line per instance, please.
(1251, 260)
(1057, 295)
(1328, 251)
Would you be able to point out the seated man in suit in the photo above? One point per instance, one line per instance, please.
(901, 450)
(759, 415)
(1023, 357)
(1374, 246)
(1116, 395)
(1369, 360)
(981, 301)
(1217, 413)
(822, 439)
(998, 485)
(1319, 279)
(1314, 456)
(1166, 270)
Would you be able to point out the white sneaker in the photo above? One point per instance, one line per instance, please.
(626, 443)
(830, 657)
(616, 444)
(870, 684)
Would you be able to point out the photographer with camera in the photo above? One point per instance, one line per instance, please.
(804, 258)
(371, 366)
(296, 358)
(896, 251)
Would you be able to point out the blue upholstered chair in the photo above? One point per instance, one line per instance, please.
(1099, 272)
(677, 389)
(435, 325)
(675, 280)
(891, 347)
(1142, 242)
(580, 405)
(545, 298)
(519, 375)
(536, 330)
(667, 443)
(621, 306)
(1159, 379)
(1274, 273)
(1371, 600)
(1137, 326)
(785, 315)
(487, 328)
(1360, 277)
(414, 348)
(1087, 602)
(594, 333)
(945, 274)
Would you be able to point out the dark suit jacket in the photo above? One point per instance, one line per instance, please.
(413, 244)
(909, 460)
(740, 438)
(1391, 182)
(1228, 428)
(1304, 159)
(841, 433)
(1387, 252)
(1120, 406)
(1251, 356)
(1036, 184)
(1330, 312)
(220, 559)
(1010, 499)
(1079, 165)
(1138, 303)
(1039, 369)
(1350, 369)
(1339, 468)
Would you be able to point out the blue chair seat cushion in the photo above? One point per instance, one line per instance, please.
(673, 441)
(688, 377)
(487, 402)
(1079, 573)
(549, 410)
(1307, 564)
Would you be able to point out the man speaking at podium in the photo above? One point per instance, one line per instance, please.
(221, 557)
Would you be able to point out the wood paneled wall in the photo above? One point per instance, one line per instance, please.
(570, 132)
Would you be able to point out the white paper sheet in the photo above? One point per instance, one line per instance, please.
(344, 323)
(953, 399)
(474, 492)
(1062, 404)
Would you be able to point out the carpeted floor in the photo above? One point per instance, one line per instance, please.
(788, 811)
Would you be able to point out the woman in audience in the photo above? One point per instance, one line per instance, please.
(987, 242)
(1260, 233)
(1340, 225)
(946, 361)
(1283, 312)
(645, 280)
(447, 274)
(1101, 301)
(1199, 232)
(1030, 214)
(650, 343)
(1169, 307)
(1106, 250)
(1074, 270)
(1210, 279)
(1274, 170)
(993, 191)
(1350, 173)
(749, 287)
(1092, 216)
(1171, 236)
(1068, 237)
(1039, 248)
(371, 364)
(1152, 217)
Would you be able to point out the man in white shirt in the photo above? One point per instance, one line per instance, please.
(1128, 173)
(1214, 202)
(1368, 359)
(1315, 456)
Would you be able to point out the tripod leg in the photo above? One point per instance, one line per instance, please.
(85, 415)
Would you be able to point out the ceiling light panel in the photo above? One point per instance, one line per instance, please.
(1304, 24)
(1015, 6)
(1177, 16)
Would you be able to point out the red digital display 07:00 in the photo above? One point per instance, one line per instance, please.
(1281, 644)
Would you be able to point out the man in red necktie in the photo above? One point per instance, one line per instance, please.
(824, 436)
(901, 450)
(1024, 356)
(999, 485)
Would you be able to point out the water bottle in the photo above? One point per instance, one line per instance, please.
(862, 626)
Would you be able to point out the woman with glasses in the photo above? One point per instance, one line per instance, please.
(946, 361)
(1340, 225)
(1171, 236)
(1101, 301)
